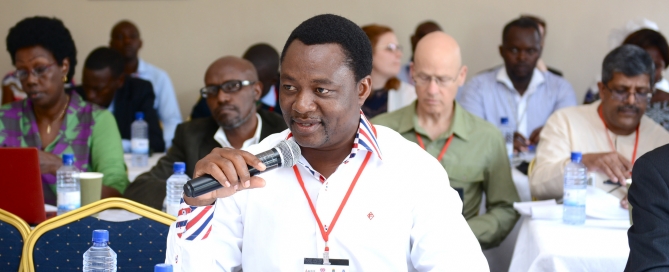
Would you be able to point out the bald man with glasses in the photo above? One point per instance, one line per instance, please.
(471, 150)
(611, 134)
(231, 92)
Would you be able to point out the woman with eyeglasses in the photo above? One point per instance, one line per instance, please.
(52, 119)
(389, 93)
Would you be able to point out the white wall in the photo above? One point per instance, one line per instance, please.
(185, 36)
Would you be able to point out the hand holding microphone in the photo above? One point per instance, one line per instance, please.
(226, 170)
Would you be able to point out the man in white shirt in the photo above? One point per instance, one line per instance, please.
(390, 200)
(610, 134)
(125, 39)
(518, 90)
(231, 92)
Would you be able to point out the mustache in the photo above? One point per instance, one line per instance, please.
(628, 108)
(226, 107)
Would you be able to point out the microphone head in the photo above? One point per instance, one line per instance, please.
(289, 151)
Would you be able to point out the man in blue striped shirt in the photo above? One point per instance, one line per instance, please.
(518, 90)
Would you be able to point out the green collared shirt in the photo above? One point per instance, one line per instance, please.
(476, 162)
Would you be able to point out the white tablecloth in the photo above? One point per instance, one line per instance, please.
(133, 172)
(545, 245)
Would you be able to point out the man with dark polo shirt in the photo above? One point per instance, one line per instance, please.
(231, 92)
(470, 149)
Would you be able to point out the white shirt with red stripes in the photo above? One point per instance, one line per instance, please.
(401, 216)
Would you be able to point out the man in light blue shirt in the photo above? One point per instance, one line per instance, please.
(518, 90)
(125, 39)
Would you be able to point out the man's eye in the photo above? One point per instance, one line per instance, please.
(322, 90)
(289, 88)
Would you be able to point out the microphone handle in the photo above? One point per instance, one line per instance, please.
(206, 183)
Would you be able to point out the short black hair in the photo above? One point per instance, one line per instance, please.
(263, 56)
(105, 57)
(334, 29)
(49, 33)
(630, 60)
(522, 22)
(646, 38)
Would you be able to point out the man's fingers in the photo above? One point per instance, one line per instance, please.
(627, 164)
(240, 164)
(252, 160)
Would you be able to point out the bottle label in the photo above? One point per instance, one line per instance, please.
(68, 201)
(574, 197)
(139, 146)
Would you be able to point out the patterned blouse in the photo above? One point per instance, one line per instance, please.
(659, 112)
(88, 131)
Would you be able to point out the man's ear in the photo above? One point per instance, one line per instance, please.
(257, 91)
(120, 81)
(364, 89)
(501, 51)
(462, 75)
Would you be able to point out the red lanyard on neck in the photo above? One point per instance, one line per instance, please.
(636, 141)
(443, 149)
(324, 233)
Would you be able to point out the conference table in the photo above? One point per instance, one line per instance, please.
(550, 245)
(134, 171)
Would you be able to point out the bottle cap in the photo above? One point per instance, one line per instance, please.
(179, 167)
(162, 268)
(504, 120)
(100, 236)
(139, 115)
(576, 156)
(68, 159)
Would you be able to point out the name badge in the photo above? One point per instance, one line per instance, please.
(316, 265)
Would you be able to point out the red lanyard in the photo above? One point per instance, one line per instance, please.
(636, 141)
(326, 234)
(443, 149)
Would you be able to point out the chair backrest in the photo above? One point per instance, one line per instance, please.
(13, 232)
(60, 243)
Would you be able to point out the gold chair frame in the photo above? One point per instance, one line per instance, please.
(19, 224)
(85, 211)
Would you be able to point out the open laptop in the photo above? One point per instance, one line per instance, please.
(21, 184)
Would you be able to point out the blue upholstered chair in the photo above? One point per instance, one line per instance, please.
(13, 232)
(58, 244)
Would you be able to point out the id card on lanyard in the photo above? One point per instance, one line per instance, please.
(326, 261)
(316, 265)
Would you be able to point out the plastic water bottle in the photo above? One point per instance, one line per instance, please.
(175, 188)
(575, 190)
(100, 258)
(139, 141)
(507, 131)
(68, 189)
(163, 268)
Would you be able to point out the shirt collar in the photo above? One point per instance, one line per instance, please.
(222, 139)
(141, 67)
(459, 127)
(365, 140)
(537, 79)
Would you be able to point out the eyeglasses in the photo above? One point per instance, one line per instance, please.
(640, 94)
(393, 47)
(231, 86)
(39, 72)
(442, 81)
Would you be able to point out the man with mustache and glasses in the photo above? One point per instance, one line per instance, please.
(518, 90)
(611, 134)
(232, 90)
(361, 197)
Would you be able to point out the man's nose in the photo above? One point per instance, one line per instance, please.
(304, 102)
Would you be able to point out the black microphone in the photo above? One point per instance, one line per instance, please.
(285, 154)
